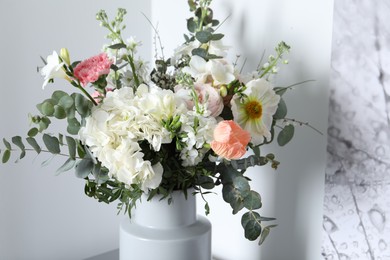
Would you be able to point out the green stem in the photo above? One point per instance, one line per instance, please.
(87, 94)
(271, 66)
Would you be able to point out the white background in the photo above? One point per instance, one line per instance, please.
(43, 216)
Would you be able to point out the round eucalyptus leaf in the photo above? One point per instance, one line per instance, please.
(286, 135)
(59, 112)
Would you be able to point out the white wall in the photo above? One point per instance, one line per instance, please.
(294, 193)
(42, 216)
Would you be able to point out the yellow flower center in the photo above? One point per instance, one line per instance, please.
(253, 109)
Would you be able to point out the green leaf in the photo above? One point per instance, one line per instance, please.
(44, 124)
(256, 150)
(280, 90)
(117, 46)
(240, 183)
(80, 150)
(207, 208)
(47, 108)
(251, 225)
(34, 144)
(69, 164)
(200, 52)
(203, 36)
(71, 147)
(52, 144)
(61, 139)
(191, 25)
(266, 219)
(17, 140)
(33, 132)
(66, 102)
(252, 200)
(265, 233)
(73, 126)
(84, 168)
(82, 104)
(57, 95)
(47, 162)
(281, 112)
(217, 36)
(7, 144)
(286, 135)
(59, 112)
(6, 156)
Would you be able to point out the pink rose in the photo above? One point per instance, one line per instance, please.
(214, 100)
(230, 140)
(206, 93)
(91, 69)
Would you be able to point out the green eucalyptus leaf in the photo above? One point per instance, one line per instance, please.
(66, 102)
(84, 168)
(251, 224)
(17, 140)
(34, 144)
(52, 144)
(237, 204)
(57, 95)
(6, 156)
(80, 150)
(191, 25)
(203, 36)
(44, 124)
(286, 135)
(82, 104)
(281, 112)
(117, 46)
(265, 233)
(200, 52)
(240, 183)
(71, 147)
(47, 162)
(256, 150)
(228, 193)
(252, 200)
(71, 112)
(33, 132)
(207, 208)
(73, 126)
(59, 112)
(47, 108)
(61, 139)
(69, 164)
(7, 144)
(266, 219)
(217, 36)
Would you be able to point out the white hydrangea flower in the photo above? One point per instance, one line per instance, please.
(115, 127)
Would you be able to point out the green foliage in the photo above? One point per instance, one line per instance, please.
(237, 192)
(281, 112)
(286, 135)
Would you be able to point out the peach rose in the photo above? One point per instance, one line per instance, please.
(230, 140)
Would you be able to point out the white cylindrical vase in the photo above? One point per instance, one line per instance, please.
(158, 230)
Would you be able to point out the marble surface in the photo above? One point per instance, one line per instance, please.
(357, 191)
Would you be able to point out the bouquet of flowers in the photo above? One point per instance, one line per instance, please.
(187, 123)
